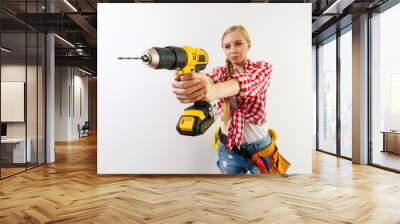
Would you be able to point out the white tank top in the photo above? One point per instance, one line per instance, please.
(252, 132)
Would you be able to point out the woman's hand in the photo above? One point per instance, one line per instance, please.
(192, 87)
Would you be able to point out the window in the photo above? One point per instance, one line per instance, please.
(385, 89)
(22, 76)
(327, 97)
(346, 94)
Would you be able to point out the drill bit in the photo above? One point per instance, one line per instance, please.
(129, 58)
(144, 58)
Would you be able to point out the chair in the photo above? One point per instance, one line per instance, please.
(84, 130)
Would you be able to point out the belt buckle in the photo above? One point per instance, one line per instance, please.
(243, 151)
(222, 137)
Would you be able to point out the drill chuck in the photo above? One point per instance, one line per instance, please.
(165, 58)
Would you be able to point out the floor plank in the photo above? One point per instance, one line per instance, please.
(70, 191)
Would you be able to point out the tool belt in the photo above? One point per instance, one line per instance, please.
(273, 161)
(243, 150)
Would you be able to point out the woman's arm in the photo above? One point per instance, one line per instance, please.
(199, 86)
(218, 90)
(222, 90)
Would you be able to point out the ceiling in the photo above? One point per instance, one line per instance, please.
(76, 22)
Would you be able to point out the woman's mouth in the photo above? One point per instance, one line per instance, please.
(235, 57)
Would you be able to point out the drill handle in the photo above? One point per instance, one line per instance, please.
(190, 69)
(179, 73)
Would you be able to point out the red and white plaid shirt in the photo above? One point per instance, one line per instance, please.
(253, 82)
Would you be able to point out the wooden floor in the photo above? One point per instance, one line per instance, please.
(70, 191)
(387, 159)
(5, 172)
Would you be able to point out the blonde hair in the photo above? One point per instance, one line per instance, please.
(229, 68)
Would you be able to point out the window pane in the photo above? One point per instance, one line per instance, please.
(346, 93)
(31, 101)
(327, 97)
(41, 98)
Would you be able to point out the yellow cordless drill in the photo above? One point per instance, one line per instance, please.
(197, 118)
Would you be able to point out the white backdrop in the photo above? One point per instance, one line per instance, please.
(137, 111)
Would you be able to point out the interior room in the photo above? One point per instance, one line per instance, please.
(105, 109)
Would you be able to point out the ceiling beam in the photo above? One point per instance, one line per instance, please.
(85, 25)
(84, 61)
(337, 7)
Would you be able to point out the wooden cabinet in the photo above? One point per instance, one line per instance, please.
(391, 141)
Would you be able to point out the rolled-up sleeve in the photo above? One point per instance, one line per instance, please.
(254, 81)
(217, 74)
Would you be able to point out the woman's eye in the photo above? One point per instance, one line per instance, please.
(238, 44)
(227, 46)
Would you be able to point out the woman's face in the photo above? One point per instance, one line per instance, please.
(235, 47)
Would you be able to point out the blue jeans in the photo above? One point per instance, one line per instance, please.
(234, 163)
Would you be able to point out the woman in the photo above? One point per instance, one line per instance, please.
(241, 87)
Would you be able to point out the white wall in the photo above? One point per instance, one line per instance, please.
(137, 111)
(61, 103)
(67, 85)
(79, 117)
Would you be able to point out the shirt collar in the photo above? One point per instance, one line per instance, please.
(246, 65)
